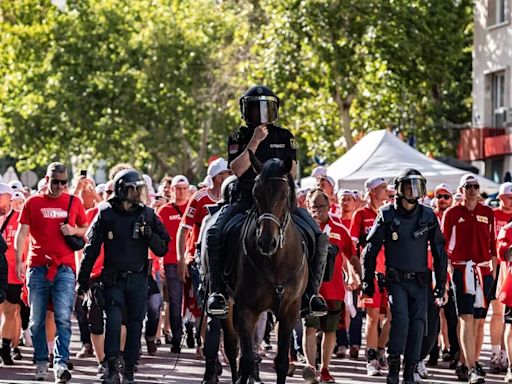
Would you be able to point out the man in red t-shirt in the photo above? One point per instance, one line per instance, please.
(468, 228)
(362, 223)
(502, 216)
(171, 214)
(333, 291)
(50, 265)
(348, 206)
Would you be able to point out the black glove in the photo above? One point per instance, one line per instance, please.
(368, 289)
(147, 232)
(332, 251)
(2, 296)
(439, 291)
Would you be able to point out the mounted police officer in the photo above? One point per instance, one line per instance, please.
(406, 228)
(259, 108)
(126, 228)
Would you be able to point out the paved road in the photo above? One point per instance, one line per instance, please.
(160, 369)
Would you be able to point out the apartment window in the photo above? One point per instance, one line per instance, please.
(498, 99)
(496, 12)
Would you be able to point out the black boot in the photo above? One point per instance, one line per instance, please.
(113, 370)
(408, 374)
(393, 370)
(315, 304)
(210, 373)
(217, 305)
(128, 374)
(5, 352)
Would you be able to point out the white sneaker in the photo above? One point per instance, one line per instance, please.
(373, 368)
(475, 378)
(41, 372)
(508, 376)
(62, 374)
(495, 364)
(417, 378)
(422, 370)
(27, 339)
(503, 361)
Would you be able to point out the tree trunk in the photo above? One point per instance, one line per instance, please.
(344, 116)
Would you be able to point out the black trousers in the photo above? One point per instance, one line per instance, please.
(433, 326)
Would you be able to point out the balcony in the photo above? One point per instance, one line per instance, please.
(482, 143)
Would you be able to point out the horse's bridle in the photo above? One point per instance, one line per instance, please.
(269, 216)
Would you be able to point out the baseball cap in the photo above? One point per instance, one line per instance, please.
(217, 166)
(16, 185)
(373, 183)
(179, 180)
(443, 187)
(18, 196)
(467, 178)
(319, 172)
(5, 189)
(505, 189)
(329, 179)
(100, 188)
(345, 192)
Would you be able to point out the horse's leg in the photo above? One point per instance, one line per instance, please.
(286, 325)
(231, 344)
(246, 321)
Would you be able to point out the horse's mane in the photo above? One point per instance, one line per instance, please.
(274, 168)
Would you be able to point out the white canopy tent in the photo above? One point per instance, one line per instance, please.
(381, 153)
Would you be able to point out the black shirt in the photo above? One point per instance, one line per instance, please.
(279, 143)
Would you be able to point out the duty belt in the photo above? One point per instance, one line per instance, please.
(394, 276)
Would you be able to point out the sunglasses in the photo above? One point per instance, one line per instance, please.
(57, 182)
(446, 197)
(471, 186)
(109, 192)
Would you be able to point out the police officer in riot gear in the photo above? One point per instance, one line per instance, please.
(406, 228)
(259, 108)
(126, 228)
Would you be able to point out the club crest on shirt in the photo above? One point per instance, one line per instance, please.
(482, 219)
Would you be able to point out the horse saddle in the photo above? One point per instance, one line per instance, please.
(307, 235)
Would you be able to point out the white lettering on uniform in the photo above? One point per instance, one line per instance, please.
(277, 145)
(54, 213)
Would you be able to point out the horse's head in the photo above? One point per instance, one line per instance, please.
(274, 196)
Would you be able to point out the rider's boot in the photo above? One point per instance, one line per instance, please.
(217, 305)
(210, 373)
(315, 304)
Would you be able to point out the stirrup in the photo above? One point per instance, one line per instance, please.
(217, 298)
(317, 313)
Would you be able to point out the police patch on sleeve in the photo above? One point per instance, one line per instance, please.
(293, 144)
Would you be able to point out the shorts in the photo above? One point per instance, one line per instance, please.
(507, 315)
(13, 293)
(327, 323)
(465, 302)
(379, 300)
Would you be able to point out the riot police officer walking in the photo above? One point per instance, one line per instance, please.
(406, 228)
(259, 108)
(126, 228)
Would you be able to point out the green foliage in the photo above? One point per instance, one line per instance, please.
(156, 82)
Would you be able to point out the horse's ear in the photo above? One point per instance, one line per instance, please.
(287, 165)
(256, 164)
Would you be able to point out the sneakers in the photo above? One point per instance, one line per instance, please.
(462, 372)
(309, 374)
(479, 369)
(41, 371)
(16, 354)
(102, 370)
(383, 361)
(373, 368)
(341, 352)
(422, 370)
(503, 360)
(474, 377)
(62, 375)
(325, 377)
(495, 364)
(508, 376)
(354, 351)
(85, 352)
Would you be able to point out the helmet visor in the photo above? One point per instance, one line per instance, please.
(257, 110)
(412, 187)
(137, 191)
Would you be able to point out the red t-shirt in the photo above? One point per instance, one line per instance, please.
(9, 234)
(504, 241)
(193, 217)
(501, 219)
(171, 217)
(346, 223)
(470, 235)
(45, 215)
(362, 223)
(339, 236)
(98, 264)
(335, 210)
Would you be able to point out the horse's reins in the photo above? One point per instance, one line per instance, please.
(280, 288)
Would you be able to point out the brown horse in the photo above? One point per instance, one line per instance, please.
(271, 271)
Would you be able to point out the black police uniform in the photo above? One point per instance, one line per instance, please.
(125, 271)
(3, 270)
(406, 236)
(279, 143)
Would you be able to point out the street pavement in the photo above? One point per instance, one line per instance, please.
(186, 368)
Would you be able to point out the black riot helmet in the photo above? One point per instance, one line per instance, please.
(259, 106)
(411, 185)
(129, 178)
